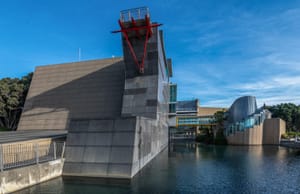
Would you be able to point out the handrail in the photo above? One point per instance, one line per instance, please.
(23, 154)
(136, 13)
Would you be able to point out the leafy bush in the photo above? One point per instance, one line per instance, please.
(284, 136)
(290, 134)
(13, 93)
(289, 112)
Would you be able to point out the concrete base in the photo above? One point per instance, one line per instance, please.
(116, 148)
(20, 178)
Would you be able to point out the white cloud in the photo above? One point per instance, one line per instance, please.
(254, 54)
(280, 82)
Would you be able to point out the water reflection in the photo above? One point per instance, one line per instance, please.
(187, 167)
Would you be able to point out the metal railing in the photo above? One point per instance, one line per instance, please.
(137, 13)
(24, 154)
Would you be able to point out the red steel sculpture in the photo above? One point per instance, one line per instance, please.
(137, 29)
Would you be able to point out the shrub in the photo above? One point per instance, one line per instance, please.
(284, 136)
(290, 134)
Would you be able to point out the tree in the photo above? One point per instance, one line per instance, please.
(13, 93)
(219, 118)
(289, 112)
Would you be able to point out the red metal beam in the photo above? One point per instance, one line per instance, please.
(124, 31)
(136, 28)
(137, 32)
(148, 24)
(145, 51)
(129, 44)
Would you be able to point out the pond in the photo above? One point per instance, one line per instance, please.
(189, 167)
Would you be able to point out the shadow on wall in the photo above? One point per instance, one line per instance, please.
(84, 90)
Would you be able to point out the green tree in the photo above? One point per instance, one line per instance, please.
(220, 118)
(289, 112)
(13, 93)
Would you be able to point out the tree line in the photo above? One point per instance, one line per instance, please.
(13, 92)
(288, 112)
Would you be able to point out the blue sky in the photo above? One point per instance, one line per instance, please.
(221, 50)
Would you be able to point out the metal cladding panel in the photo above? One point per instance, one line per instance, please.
(242, 108)
(87, 90)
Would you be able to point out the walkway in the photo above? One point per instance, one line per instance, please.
(24, 135)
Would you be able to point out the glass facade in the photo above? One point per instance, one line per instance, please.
(173, 93)
(248, 123)
(244, 114)
(173, 98)
(187, 106)
(196, 121)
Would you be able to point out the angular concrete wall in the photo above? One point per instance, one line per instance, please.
(101, 148)
(273, 129)
(140, 96)
(117, 118)
(152, 138)
(146, 94)
(119, 147)
(112, 148)
(87, 89)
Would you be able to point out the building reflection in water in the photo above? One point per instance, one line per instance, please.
(188, 167)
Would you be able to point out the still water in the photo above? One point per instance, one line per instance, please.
(195, 168)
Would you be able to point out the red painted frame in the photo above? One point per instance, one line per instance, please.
(137, 29)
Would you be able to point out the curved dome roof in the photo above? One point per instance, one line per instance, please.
(242, 108)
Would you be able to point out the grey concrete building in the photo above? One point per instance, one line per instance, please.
(116, 116)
